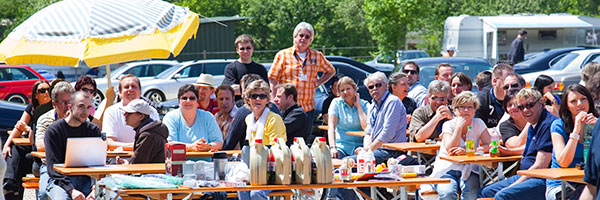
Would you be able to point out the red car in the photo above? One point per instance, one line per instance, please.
(16, 82)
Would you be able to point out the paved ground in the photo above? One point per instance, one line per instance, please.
(29, 195)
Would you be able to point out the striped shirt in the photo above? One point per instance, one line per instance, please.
(288, 67)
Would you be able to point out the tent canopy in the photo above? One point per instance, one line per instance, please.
(535, 21)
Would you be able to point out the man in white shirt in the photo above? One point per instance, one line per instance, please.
(118, 134)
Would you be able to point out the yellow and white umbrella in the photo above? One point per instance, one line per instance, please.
(100, 32)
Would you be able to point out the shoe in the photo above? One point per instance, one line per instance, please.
(10, 187)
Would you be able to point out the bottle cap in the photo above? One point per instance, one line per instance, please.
(322, 139)
(468, 127)
(258, 141)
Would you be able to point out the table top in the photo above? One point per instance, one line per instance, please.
(563, 174)
(387, 183)
(412, 146)
(480, 160)
(356, 133)
(323, 127)
(112, 154)
(112, 169)
(21, 141)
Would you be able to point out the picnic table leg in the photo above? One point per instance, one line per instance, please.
(500, 171)
(403, 193)
(481, 175)
(373, 193)
(563, 194)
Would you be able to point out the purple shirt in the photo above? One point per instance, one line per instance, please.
(387, 120)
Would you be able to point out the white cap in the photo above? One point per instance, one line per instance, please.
(452, 48)
(205, 80)
(138, 105)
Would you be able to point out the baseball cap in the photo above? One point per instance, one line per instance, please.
(138, 105)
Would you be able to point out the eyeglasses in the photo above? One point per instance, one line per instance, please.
(304, 36)
(91, 91)
(258, 96)
(465, 107)
(43, 90)
(516, 85)
(245, 48)
(377, 85)
(64, 103)
(527, 105)
(410, 71)
(188, 98)
(434, 98)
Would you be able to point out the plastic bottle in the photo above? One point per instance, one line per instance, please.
(587, 139)
(361, 162)
(258, 163)
(470, 143)
(283, 164)
(494, 152)
(301, 162)
(322, 171)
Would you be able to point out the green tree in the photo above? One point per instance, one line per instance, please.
(15, 12)
(211, 8)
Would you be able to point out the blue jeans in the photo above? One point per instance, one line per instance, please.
(81, 183)
(43, 184)
(532, 188)
(254, 195)
(341, 193)
(449, 191)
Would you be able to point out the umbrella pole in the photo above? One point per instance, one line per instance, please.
(110, 93)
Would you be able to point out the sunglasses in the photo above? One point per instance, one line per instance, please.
(91, 91)
(188, 98)
(304, 36)
(43, 90)
(258, 96)
(410, 71)
(516, 85)
(434, 98)
(245, 48)
(377, 85)
(527, 105)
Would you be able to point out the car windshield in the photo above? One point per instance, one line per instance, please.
(427, 73)
(165, 74)
(533, 57)
(564, 61)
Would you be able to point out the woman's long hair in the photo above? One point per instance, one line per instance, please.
(564, 112)
(34, 91)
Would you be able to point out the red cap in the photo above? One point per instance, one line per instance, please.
(258, 141)
(322, 139)
(295, 139)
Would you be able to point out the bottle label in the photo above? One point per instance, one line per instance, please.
(494, 148)
(361, 166)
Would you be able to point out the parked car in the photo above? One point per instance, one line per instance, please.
(143, 70)
(10, 113)
(543, 60)
(567, 70)
(166, 84)
(469, 66)
(386, 62)
(16, 82)
(356, 64)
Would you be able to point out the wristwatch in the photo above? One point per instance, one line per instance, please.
(574, 136)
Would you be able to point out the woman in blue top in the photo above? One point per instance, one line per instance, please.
(566, 136)
(346, 113)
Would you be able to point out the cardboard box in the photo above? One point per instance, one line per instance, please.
(174, 158)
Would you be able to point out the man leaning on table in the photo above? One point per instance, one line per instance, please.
(426, 122)
(537, 154)
(197, 128)
(74, 125)
(386, 122)
(150, 135)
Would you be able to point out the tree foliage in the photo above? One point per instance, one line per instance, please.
(212, 8)
(15, 12)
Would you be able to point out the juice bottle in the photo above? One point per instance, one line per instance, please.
(470, 144)
(494, 152)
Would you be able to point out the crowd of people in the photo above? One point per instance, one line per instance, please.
(253, 103)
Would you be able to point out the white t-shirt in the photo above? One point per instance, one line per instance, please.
(440, 167)
(114, 125)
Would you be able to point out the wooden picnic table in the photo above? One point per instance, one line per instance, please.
(113, 154)
(323, 127)
(356, 133)
(494, 163)
(22, 141)
(564, 175)
(414, 146)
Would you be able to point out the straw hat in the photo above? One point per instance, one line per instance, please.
(205, 80)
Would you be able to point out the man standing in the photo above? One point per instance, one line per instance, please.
(517, 52)
(399, 87)
(244, 46)
(118, 134)
(294, 117)
(417, 92)
(197, 128)
(386, 123)
(537, 154)
(205, 90)
(490, 110)
(426, 122)
(227, 109)
(443, 72)
(74, 125)
(300, 66)
(150, 135)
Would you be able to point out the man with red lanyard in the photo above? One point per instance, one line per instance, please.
(300, 66)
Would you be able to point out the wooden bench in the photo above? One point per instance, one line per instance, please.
(486, 198)
(31, 183)
(287, 195)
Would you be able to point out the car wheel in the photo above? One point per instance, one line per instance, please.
(17, 98)
(97, 99)
(155, 96)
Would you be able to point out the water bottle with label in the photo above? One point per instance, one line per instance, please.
(587, 139)
(494, 152)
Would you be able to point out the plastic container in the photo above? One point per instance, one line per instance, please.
(283, 162)
(366, 161)
(322, 170)
(301, 162)
(220, 165)
(258, 163)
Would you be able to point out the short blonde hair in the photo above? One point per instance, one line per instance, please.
(254, 86)
(526, 93)
(346, 80)
(465, 97)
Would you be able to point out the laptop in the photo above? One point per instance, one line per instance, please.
(85, 152)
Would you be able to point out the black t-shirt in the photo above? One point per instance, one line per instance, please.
(56, 147)
(507, 130)
(490, 108)
(410, 105)
(592, 167)
(235, 70)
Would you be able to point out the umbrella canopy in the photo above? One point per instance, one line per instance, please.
(100, 32)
